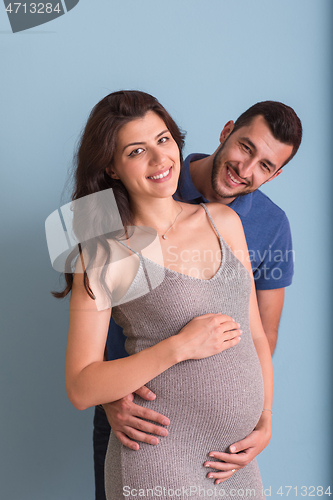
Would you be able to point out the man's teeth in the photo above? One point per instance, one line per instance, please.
(232, 178)
(160, 176)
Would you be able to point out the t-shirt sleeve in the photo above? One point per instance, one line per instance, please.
(276, 266)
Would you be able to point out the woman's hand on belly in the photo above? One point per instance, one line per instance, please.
(242, 452)
(205, 336)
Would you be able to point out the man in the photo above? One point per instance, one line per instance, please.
(252, 151)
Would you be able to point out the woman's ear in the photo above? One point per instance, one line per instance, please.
(111, 173)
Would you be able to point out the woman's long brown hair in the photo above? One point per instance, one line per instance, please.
(95, 154)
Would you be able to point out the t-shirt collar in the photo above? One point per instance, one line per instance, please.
(186, 187)
(242, 204)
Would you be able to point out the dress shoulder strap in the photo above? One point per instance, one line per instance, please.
(211, 220)
(130, 250)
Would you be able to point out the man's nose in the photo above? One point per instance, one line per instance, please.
(246, 168)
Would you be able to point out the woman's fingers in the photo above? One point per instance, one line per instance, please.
(221, 466)
(207, 335)
(218, 318)
(229, 326)
(221, 476)
(224, 324)
(222, 472)
(230, 343)
(229, 332)
(211, 315)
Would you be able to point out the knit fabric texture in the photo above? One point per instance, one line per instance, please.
(211, 402)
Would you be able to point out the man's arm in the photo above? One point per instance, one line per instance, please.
(273, 268)
(129, 421)
(270, 303)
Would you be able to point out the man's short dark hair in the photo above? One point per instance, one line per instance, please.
(282, 120)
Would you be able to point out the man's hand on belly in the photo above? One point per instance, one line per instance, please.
(126, 420)
(242, 452)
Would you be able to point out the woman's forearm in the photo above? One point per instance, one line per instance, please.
(106, 381)
(91, 381)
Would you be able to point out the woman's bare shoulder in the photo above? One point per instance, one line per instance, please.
(105, 270)
(228, 224)
(222, 214)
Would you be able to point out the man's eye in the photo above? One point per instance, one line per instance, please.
(244, 146)
(135, 152)
(266, 167)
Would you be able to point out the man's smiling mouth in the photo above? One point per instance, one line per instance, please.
(232, 178)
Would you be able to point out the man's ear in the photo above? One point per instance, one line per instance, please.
(227, 129)
(111, 173)
(275, 175)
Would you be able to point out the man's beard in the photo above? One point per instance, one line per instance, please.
(215, 180)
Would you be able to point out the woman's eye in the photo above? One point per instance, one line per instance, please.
(164, 139)
(135, 152)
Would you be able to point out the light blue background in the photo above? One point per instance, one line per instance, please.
(206, 62)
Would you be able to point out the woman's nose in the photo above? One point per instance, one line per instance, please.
(156, 156)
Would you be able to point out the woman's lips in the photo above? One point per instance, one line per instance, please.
(161, 177)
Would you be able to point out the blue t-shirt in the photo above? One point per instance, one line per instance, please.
(267, 234)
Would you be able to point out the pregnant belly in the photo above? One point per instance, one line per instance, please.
(220, 397)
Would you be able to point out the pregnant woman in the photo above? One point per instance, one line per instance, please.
(191, 321)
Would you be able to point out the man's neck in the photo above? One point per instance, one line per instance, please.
(201, 175)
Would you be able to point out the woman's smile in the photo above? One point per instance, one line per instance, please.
(161, 176)
(146, 151)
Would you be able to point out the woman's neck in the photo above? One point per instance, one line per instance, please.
(158, 213)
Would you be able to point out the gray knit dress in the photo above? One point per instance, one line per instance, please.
(211, 402)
